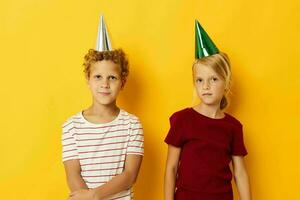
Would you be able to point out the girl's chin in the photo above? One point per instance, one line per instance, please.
(210, 103)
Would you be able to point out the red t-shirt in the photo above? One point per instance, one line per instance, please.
(207, 145)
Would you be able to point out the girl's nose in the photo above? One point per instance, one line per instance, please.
(206, 85)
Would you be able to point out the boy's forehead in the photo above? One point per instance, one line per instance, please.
(105, 66)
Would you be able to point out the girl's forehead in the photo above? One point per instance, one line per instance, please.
(201, 69)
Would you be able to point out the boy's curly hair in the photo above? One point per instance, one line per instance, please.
(117, 56)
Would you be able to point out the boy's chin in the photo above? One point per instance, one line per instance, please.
(106, 103)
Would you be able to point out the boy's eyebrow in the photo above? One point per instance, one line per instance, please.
(111, 74)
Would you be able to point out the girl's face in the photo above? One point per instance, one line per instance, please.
(209, 85)
(105, 81)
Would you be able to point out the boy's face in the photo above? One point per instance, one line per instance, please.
(209, 85)
(105, 82)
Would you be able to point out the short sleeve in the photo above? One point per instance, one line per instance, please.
(136, 138)
(238, 146)
(69, 148)
(175, 134)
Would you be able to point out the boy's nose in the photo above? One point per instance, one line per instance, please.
(105, 84)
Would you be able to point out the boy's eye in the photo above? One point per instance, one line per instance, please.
(112, 78)
(97, 76)
(214, 79)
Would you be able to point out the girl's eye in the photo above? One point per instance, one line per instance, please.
(97, 76)
(199, 80)
(214, 79)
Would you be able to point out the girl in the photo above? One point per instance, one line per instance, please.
(203, 140)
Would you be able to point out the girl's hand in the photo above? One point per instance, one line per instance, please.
(84, 194)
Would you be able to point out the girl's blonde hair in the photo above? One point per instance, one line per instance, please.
(221, 65)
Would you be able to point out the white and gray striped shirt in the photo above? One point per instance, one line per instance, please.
(102, 148)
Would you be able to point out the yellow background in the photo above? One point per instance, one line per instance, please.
(42, 84)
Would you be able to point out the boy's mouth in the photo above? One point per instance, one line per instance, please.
(207, 94)
(104, 93)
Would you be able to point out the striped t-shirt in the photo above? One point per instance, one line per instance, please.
(102, 148)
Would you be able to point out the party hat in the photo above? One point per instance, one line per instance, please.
(103, 41)
(204, 46)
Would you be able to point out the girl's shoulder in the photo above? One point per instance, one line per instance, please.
(182, 112)
(230, 118)
(181, 115)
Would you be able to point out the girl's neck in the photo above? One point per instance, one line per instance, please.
(212, 111)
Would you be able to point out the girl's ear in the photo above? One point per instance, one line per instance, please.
(226, 90)
(227, 87)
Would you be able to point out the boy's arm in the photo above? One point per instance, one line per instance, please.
(241, 177)
(73, 175)
(122, 181)
(171, 171)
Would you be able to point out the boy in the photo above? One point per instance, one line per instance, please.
(103, 145)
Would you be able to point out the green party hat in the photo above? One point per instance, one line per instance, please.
(204, 46)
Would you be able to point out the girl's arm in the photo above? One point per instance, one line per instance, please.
(171, 171)
(73, 174)
(241, 177)
(117, 184)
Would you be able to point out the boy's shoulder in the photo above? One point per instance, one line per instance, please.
(75, 118)
(78, 119)
(128, 116)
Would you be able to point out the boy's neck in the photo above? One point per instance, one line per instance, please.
(101, 110)
(98, 113)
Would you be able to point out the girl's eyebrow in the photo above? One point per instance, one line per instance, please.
(211, 76)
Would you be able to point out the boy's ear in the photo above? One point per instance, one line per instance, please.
(123, 82)
(87, 81)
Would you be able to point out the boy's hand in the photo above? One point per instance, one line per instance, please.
(83, 194)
